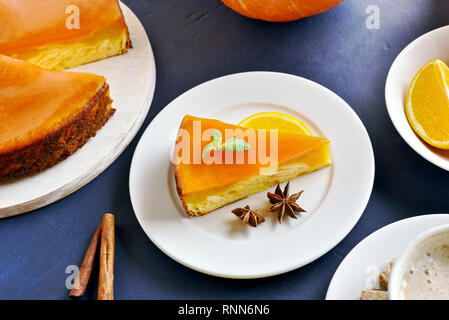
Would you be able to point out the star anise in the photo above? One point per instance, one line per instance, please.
(285, 203)
(249, 216)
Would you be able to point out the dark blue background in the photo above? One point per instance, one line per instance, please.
(198, 40)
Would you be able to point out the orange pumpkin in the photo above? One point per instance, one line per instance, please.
(280, 10)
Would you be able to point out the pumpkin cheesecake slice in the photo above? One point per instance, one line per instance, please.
(45, 116)
(216, 163)
(59, 34)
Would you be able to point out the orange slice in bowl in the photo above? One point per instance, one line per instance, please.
(275, 120)
(427, 104)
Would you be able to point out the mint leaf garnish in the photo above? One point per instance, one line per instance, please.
(235, 145)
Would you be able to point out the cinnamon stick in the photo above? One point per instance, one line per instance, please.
(86, 267)
(106, 278)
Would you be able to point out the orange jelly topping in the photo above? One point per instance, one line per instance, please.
(29, 23)
(203, 175)
(35, 102)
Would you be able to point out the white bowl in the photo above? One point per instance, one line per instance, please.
(399, 267)
(426, 48)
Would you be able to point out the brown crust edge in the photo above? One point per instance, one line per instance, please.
(178, 178)
(60, 144)
(179, 190)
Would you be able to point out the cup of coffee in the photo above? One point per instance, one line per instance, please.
(421, 272)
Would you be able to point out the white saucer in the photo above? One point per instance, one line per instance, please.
(359, 270)
(132, 78)
(218, 244)
(431, 46)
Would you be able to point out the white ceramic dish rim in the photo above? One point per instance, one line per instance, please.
(420, 149)
(398, 267)
(341, 234)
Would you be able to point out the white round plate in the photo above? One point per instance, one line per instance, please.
(132, 78)
(432, 45)
(360, 268)
(218, 243)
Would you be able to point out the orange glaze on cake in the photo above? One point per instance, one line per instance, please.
(35, 102)
(31, 27)
(45, 116)
(200, 181)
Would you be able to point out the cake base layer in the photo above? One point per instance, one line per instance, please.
(199, 204)
(60, 144)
